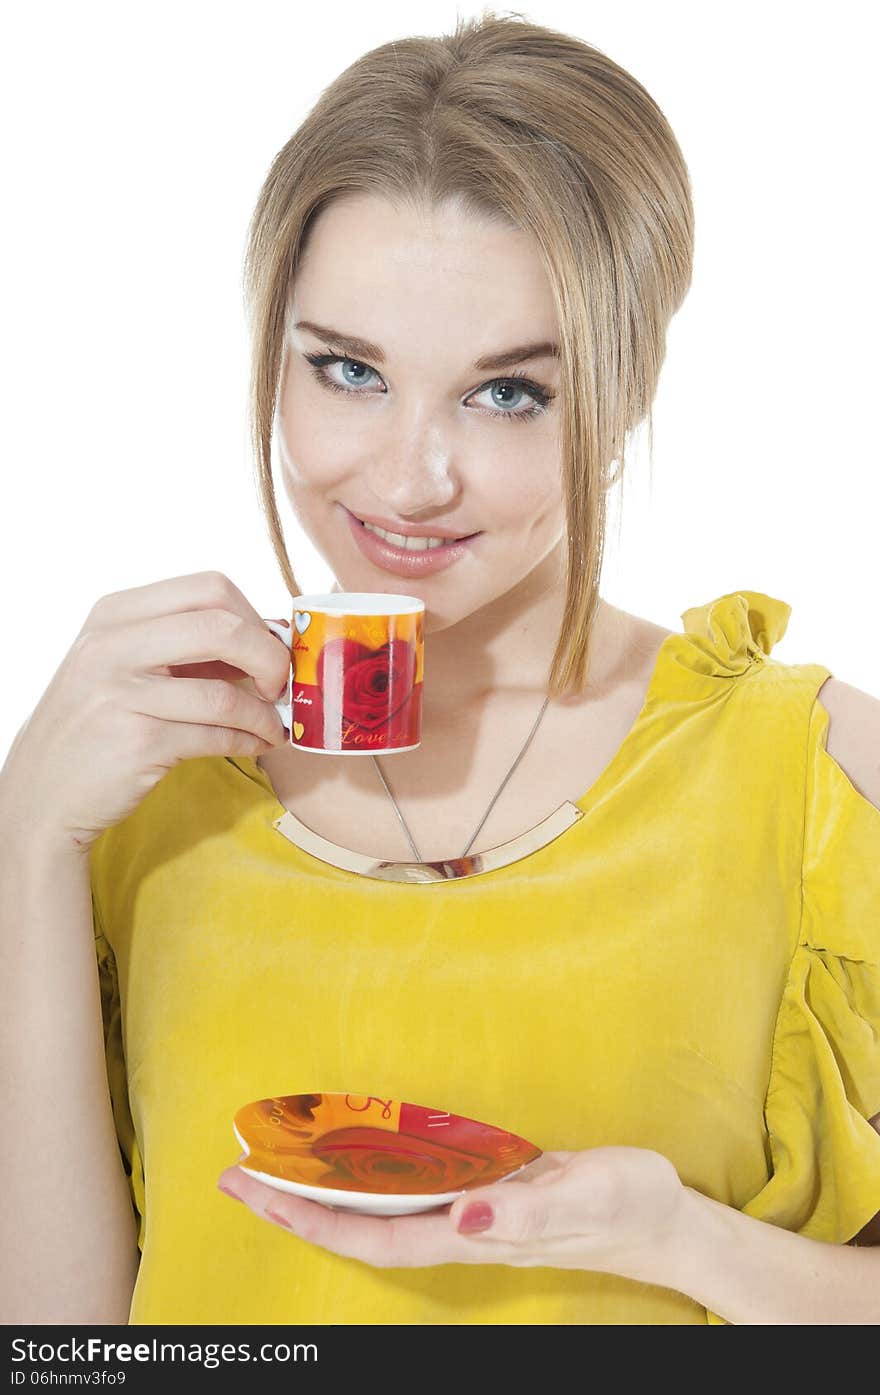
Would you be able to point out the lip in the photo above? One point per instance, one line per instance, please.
(398, 560)
(411, 532)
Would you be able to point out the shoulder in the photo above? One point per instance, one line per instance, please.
(636, 642)
(854, 734)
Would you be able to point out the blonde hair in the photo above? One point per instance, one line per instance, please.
(518, 122)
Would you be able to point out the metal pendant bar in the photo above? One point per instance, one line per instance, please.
(523, 845)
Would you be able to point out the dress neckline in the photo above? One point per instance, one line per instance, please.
(721, 639)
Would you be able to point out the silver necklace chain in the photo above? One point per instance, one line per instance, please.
(416, 853)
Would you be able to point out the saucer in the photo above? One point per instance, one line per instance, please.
(375, 1156)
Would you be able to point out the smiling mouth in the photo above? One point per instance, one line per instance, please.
(390, 536)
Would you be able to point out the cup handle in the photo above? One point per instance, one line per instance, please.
(282, 707)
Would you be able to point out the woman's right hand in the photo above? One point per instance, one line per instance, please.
(149, 681)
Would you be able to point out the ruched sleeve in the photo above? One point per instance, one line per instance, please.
(728, 634)
(824, 1084)
(116, 1073)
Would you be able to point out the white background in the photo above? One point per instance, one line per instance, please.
(136, 139)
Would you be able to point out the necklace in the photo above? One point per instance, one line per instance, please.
(412, 843)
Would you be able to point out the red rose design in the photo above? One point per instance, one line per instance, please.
(365, 1159)
(375, 682)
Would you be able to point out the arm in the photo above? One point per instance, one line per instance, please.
(746, 1270)
(67, 1230)
(854, 742)
(854, 735)
(750, 1272)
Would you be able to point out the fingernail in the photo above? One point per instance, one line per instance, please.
(221, 1186)
(279, 1219)
(477, 1217)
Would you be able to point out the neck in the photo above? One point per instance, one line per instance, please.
(506, 646)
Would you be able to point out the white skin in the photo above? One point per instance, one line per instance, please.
(421, 437)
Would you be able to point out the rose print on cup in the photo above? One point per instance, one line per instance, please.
(375, 684)
(356, 673)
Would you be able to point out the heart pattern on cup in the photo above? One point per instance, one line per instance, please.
(302, 619)
(298, 730)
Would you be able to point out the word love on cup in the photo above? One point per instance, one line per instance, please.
(356, 674)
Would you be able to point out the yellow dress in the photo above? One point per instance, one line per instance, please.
(693, 966)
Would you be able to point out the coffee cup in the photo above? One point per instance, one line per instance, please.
(356, 673)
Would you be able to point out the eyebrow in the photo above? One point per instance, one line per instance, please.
(361, 349)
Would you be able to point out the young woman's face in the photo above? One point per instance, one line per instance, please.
(405, 427)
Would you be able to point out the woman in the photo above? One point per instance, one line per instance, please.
(678, 998)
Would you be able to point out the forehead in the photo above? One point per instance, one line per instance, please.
(392, 272)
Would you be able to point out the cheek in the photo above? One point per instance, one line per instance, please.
(316, 447)
(522, 484)
(511, 469)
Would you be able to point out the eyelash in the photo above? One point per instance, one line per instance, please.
(541, 398)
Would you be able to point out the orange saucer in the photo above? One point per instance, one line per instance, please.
(376, 1156)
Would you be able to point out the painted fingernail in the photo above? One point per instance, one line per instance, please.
(279, 1219)
(228, 1190)
(477, 1217)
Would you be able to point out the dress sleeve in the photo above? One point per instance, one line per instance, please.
(116, 1073)
(824, 1086)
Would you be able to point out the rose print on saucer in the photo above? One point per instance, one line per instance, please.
(372, 1155)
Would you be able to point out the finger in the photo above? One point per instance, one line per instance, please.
(212, 668)
(172, 595)
(573, 1198)
(208, 590)
(204, 636)
(207, 700)
(540, 1207)
(516, 1220)
(544, 1168)
(218, 669)
(382, 1241)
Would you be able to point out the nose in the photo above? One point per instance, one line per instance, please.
(415, 473)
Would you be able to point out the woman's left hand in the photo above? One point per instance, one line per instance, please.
(607, 1209)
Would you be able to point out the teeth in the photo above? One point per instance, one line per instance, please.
(411, 544)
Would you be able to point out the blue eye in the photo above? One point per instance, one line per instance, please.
(320, 363)
(519, 390)
(515, 382)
